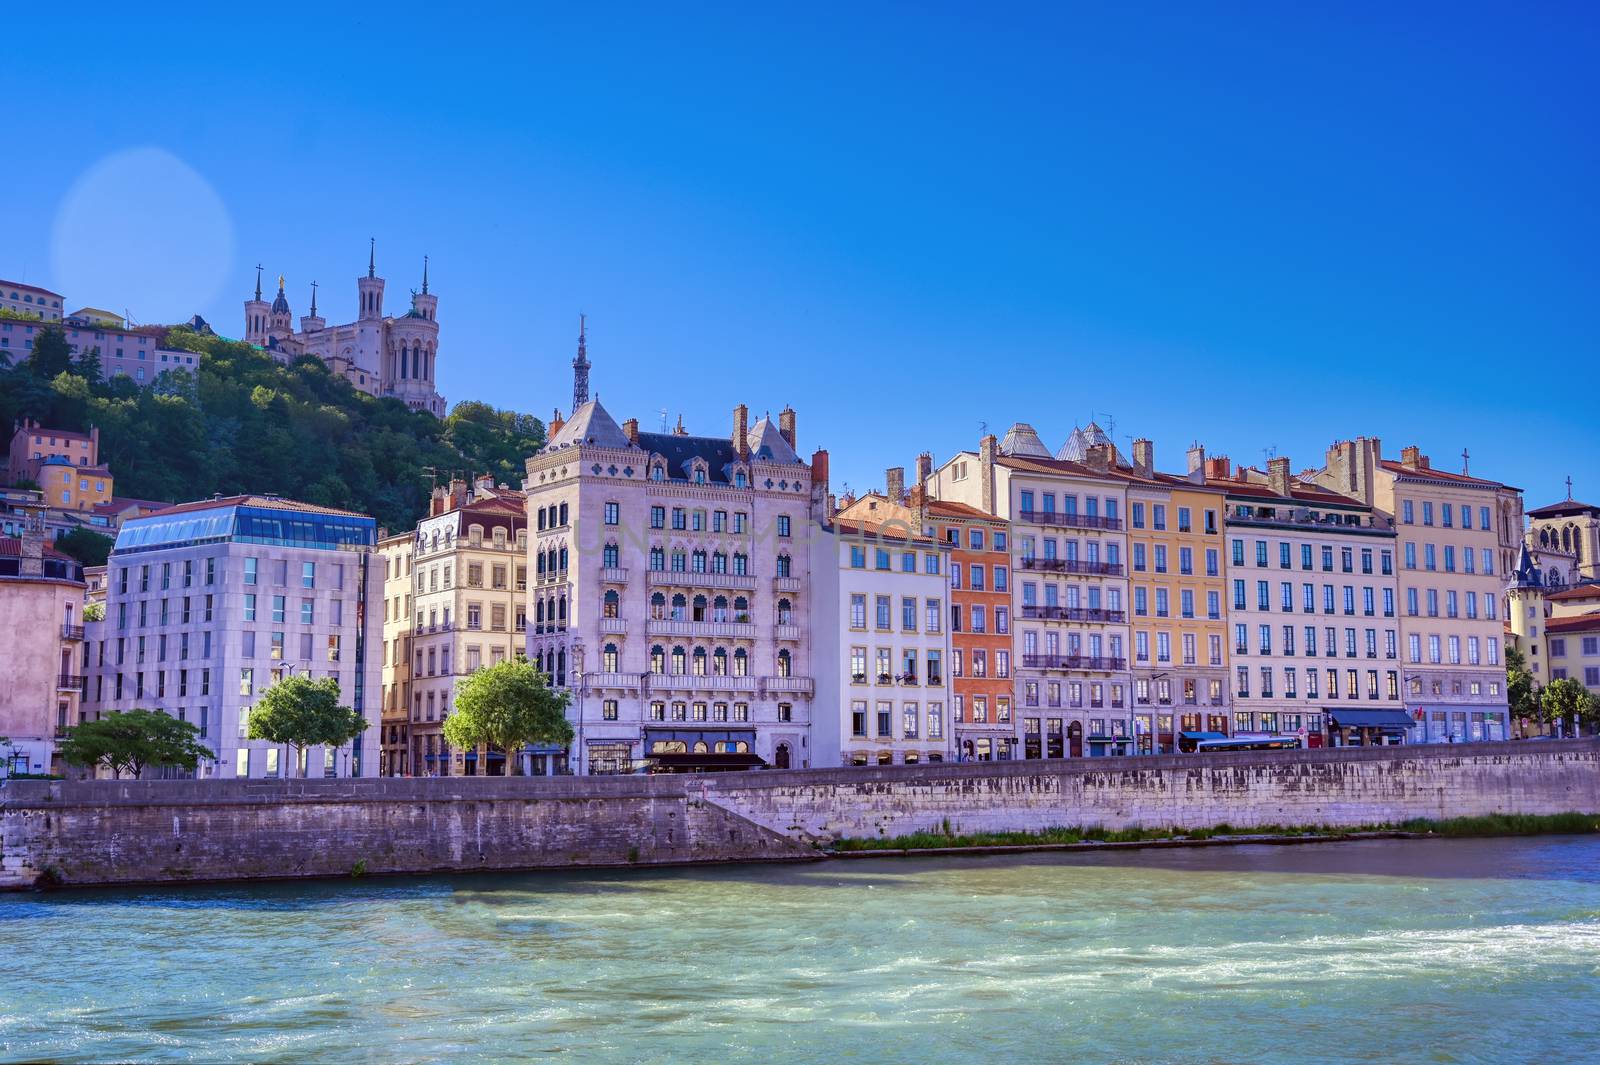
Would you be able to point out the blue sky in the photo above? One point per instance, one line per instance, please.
(1253, 225)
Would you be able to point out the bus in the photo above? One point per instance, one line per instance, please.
(1250, 743)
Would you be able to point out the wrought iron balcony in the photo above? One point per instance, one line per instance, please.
(72, 632)
(1091, 663)
(69, 683)
(1070, 521)
(1072, 565)
(1073, 613)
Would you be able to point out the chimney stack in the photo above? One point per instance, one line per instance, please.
(987, 447)
(1197, 462)
(1218, 468)
(556, 422)
(458, 493)
(1098, 458)
(741, 431)
(821, 501)
(631, 429)
(1278, 475)
(786, 424)
(1144, 455)
(895, 483)
(436, 502)
(924, 467)
(31, 550)
(484, 484)
(1411, 457)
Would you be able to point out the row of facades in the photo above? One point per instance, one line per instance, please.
(709, 604)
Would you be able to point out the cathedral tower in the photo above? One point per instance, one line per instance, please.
(370, 288)
(255, 315)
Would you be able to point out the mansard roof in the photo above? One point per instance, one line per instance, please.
(1023, 442)
(681, 451)
(1080, 440)
(1565, 508)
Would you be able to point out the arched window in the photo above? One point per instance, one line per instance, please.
(658, 607)
(783, 663)
(609, 556)
(785, 611)
(719, 608)
(561, 667)
(658, 472)
(780, 756)
(658, 559)
(699, 561)
(563, 556)
(613, 603)
(741, 663)
(740, 480)
(538, 613)
(699, 661)
(658, 659)
(741, 564)
(719, 662)
(539, 563)
(699, 609)
(563, 514)
(741, 610)
(680, 607)
(678, 560)
(700, 747)
(541, 519)
(680, 660)
(783, 565)
(499, 538)
(608, 658)
(562, 604)
(719, 562)
(1566, 538)
(699, 475)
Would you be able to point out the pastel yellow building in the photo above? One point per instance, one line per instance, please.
(393, 756)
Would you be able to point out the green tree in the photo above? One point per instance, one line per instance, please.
(85, 545)
(1519, 687)
(130, 741)
(52, 354)
(303, 713)
(94, 612)
(1566, 700)
(507, 706)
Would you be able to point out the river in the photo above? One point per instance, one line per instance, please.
(1435, 951)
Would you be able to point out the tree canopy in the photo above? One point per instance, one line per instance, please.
(506, 706)
(302, 713)
(129, 741)
(1519, 687)
(85, 545)
(1566, 699)
(238, 422)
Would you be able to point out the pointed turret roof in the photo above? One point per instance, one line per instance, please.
(1080, 440)
(767, 443)
(1022, 442)
(1527, 573)
(590, 424)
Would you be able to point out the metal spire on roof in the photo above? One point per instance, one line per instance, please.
(258, 282)
(313, 299)
(580, 366)
(1569, 488)
(424, 275)
(372, 258)
(1464, 460)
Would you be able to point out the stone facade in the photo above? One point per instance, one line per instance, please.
(41, 613)
(672, 587)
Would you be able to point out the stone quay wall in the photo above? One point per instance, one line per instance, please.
(110, 832)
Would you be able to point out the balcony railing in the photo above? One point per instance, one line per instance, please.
(786, 584)
(1094, 663)
(69, 683)
(786, 632)
(1070, 521)
(614, 626)
(437, 626)
(688, 579)
(72, 632)
(792, 685)
(594, 681)
(614, 574)
(1073, 613)
(1072, 565)
(685, 682)
(730, 629)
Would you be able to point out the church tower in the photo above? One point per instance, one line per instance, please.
(1525, 612)
(370, 288)
(255, 316)
(280, 323)
(580, 367)
(313, 322)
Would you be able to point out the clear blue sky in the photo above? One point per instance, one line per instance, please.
(1248, 224)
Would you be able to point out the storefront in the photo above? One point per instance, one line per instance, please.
(1368, 727)
(701, 750)
(1458, 723)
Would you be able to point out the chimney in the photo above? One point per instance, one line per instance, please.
(1411, 457)
(556, 422)
(986, 452)
(1278, 475)
(821, 501)
(924, 467)
(31, 550)
(833, 506)
(895, 483)
(1144, 455)
(741, 431)
(1197, 462)
(484, 484)
(436, 502)
(786, 424)
(458, 493)
(1098, 458)
(94, 445)
(1218, 468)
(631, 429)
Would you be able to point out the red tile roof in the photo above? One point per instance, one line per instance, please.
(1577, 591)
(875, 531)
(1298, 490)
(1566, 506)
(36, 288)
(1439, 475)
(1589, 622)
(11, 547)
(949, 509)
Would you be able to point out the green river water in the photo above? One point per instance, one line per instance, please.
(1428, 951)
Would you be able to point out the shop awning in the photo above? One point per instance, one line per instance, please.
(1384, 718)
(689, 763)
(1198, 736)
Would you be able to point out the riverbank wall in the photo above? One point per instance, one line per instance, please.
(110, 832)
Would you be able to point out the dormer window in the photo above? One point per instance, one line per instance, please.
(658, 472)
(740, 480)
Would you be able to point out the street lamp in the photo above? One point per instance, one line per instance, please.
(577, 677)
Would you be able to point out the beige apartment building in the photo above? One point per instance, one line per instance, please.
(469, 596)
(394, 751)
(1454, 536)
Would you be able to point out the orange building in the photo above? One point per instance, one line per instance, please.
(980, 625)
(64, 464)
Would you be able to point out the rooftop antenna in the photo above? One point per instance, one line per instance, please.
(664, 415)
(1111, 422)
(1270, 453)
(433, 477)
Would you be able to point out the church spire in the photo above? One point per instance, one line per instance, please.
(580, 366)
(258, 282)
(313, 299)
(372, 258)
(424, 275)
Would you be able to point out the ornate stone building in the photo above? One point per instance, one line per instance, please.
(671, 583)
(382, 355)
